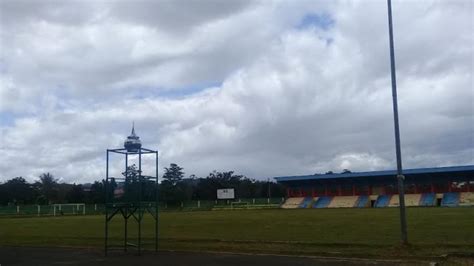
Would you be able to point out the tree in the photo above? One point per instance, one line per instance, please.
(171, 189)
(17, 190)
(97, 192)
(173, 174)
(62, 191)
(131, 174)
(132, 184)
(111, 186)
(3, 194)
(207, 187)
(48, 187)
(76, 194)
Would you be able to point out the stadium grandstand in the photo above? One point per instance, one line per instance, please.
(440, 186)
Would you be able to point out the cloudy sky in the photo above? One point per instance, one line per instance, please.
(264, 88)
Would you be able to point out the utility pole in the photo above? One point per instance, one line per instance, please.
(400, 176)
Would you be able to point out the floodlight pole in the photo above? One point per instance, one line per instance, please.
(156, 202)
(125, 234)
(140, 212)
(400, 177)
(105, 203)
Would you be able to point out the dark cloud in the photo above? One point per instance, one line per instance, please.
(24, 13)
(176, 17)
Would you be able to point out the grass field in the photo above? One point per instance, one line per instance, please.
(338, 232)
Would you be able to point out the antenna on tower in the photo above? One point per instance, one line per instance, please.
(132, 143)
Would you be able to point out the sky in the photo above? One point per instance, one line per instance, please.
(264, 88)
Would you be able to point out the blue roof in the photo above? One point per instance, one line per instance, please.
(433, 170)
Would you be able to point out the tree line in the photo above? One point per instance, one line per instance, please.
(174, 188)
(48, 190)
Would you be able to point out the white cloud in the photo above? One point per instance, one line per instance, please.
(288, 100)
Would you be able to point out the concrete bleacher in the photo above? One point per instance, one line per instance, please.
(292, 203)
(382, 201)
(362, 202)
(428, 199)
(411, 200)
(306, 203)
(314, 201)
(322, 202)
(394, 201)
(450, 199)
(466, 199)
(343, 202)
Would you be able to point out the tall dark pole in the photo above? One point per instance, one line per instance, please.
(269, 192)
(400, 177)
(105, 203)
(125, 239)
(140, 212)
(156, 203)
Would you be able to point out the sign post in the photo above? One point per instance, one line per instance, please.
(226, 193)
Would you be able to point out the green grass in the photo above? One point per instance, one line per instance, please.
(340, 232)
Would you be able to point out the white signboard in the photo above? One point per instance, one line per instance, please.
(226, 193)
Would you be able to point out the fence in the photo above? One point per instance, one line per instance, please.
(93, 209)
(49, 210)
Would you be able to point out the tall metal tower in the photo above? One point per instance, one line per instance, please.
(131, 195)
